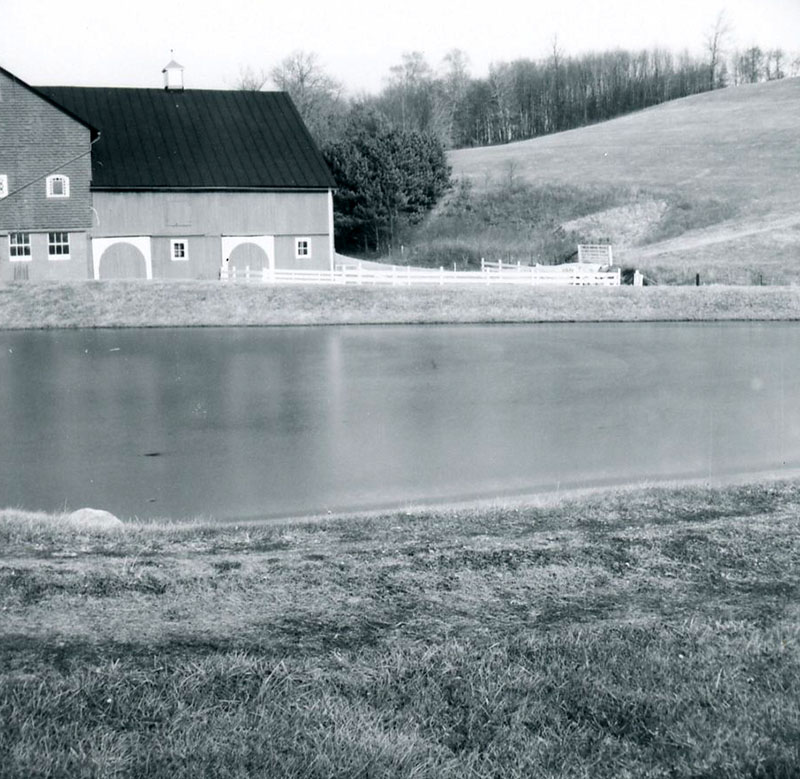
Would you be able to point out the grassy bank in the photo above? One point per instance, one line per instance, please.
(695, 185)
(173, 304)
(651, 633)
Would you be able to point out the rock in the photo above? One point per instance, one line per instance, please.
(95, 519)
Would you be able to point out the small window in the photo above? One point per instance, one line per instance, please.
(58, 186)
(19, 246)
(179, 250)
(58, 246)
(302, 248)
(3, 186)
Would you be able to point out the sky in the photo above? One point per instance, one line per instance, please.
(108, 43)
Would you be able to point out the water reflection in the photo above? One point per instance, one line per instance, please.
(249, 422)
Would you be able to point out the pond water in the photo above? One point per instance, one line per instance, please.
(234, 423)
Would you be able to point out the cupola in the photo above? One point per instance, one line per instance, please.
(173, 76)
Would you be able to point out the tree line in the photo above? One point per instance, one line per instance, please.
(523, 98)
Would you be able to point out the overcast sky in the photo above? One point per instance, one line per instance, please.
(108, 43)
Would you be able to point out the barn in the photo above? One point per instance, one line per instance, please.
(172, 183)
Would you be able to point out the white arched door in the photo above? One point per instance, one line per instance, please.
(264, 242)
(140, 242)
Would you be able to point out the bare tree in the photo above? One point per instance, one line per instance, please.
(715, 40)
(251, 80)
(775, 64)
(317, 95)
(454, 82)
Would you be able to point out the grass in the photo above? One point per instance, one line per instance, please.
(646, 633)
(544, 223)
(716, 161)
(198, 304)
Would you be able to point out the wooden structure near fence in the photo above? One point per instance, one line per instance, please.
(600, 253)
(574, 274)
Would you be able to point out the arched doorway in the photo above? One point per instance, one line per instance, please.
(256, 252)
(122, 258)
(248, 255)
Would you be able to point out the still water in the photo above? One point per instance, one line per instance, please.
(233, 423)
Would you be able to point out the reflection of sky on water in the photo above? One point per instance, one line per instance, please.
(247, 422)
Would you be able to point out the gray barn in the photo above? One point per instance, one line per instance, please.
(157, 183)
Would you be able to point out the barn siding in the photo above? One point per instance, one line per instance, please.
(211, 213)
(203, 217)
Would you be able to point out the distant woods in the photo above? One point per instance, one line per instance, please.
(523, 98)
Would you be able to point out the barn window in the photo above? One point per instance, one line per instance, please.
(302, 248)
(58, 246)
(58, 186)
(19, 246)
(179, 250)
(3, 186)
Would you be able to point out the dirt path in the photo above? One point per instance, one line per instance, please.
(721, 233)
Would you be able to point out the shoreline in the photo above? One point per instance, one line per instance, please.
(152, 304)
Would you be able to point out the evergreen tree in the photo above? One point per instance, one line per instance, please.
(385, 176)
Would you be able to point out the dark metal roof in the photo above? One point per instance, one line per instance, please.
(195, 139)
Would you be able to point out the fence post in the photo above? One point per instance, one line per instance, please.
(697, 280)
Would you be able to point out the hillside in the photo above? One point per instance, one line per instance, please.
(706, 184)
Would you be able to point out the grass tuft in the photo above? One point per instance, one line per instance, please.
(651, 632)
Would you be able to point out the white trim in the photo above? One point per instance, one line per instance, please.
(3, 185)
(265, 242)
(20, 257)
(58, 257)
(172, 243)
(331, 244)
(141, 242)
(52, 179)
(298, 255)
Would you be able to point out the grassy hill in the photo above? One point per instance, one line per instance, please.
(704, 184)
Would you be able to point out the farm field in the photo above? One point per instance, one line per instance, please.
(650, 632)
(696, 185)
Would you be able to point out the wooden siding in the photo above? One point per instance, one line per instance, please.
(211, 213)
(203, 217)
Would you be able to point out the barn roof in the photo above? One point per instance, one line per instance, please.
(195, 139)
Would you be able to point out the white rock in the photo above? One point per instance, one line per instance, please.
(94, 519)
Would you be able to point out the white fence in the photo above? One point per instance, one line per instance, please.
(538, 275)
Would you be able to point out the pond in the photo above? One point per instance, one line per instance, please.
(236, 423)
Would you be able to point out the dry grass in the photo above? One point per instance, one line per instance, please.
(632, 633)
(199, 304)
(709, 157)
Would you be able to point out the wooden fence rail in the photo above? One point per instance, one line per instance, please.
(406, 276)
